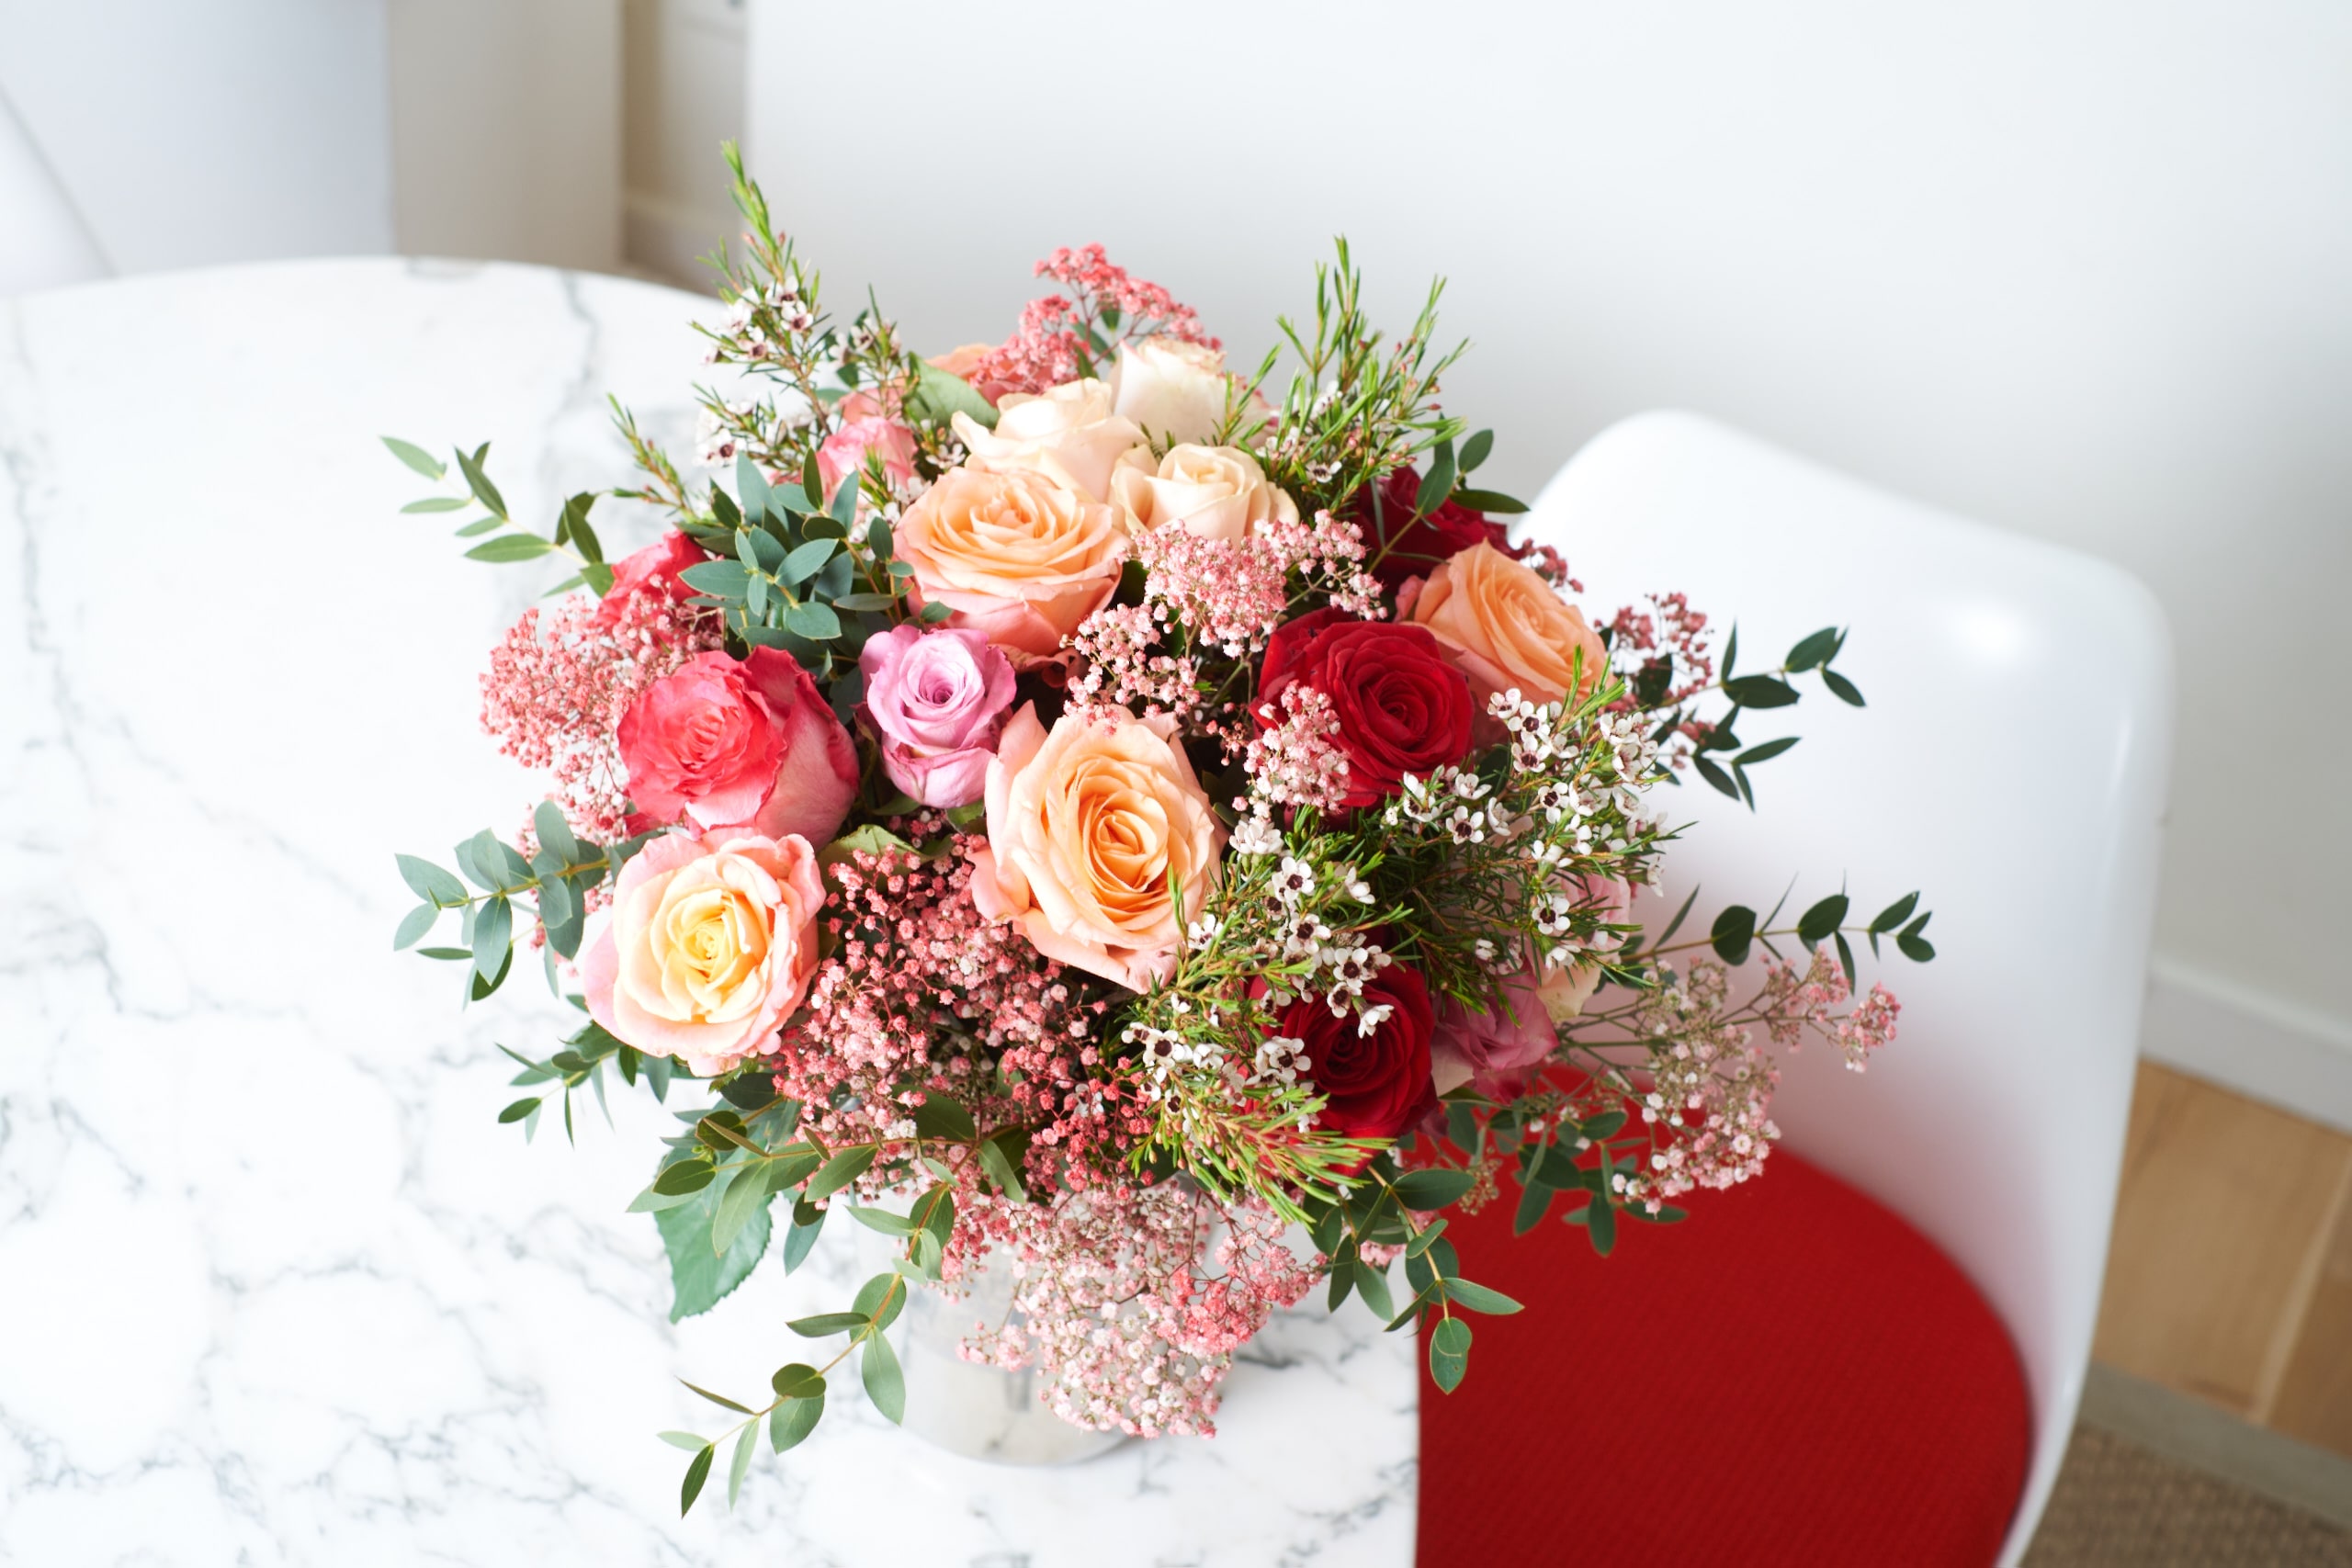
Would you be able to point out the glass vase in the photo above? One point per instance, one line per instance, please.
(979, 1412)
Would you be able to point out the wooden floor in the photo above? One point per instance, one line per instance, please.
(2231, 1276)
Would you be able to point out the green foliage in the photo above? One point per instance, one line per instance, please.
(700, 1276)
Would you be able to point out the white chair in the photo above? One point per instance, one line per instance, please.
(2011, 765)
(43, 242)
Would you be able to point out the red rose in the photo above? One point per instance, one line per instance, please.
(1414, 546)
(720, 743)
(1401, 707)
(654, 568)
(1377, 1085)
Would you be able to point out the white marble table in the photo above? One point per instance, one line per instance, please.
(274, 1287)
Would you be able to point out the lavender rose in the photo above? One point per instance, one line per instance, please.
(937, 699)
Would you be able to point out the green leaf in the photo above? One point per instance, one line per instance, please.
(801, 1234)
(1000, 1171)
(686, 1441)
(699, 1277)
(885, 1384)
(1814, 650)
(1815, 926)
(826, 1323)
(746, 1195)
(751, 485)
(1601, 1224)
(493, 937)
(517, 1111)
(1914, 947)
(1437, 483)
(798, 1381)
(809, 619)
(806, 560)
(683, 1175)
(698, 1473)
(438, 504)
(429, 882)
(938, 396)
(718, 1399)
(883, 1219)
(839, 1171)
(1449, 1352)
(843, 509)
(940, 1117)
(509, 547)
(1734, 929)
(1475, 450)
(933, 613)
(795, 1419)
(720, 579)
(1490, 501)
(479, 526)
(741, 1463)
(1534, 1202)
(1894, 914)
(414, 924)
(1761, 691)
(1715, 775)
(415, 457)
(1846, 960)
(1478, 1298)
(1845, 690)
(1432, 1189)
(865, 601)
(1373, 1285)
(1764, 751)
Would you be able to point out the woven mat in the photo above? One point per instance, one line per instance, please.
(2120, 1504)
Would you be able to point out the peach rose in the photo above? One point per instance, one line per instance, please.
(1218, 492)
(709, 945)
(1017, 557)
(1070, 433)
(1093, 829)
(1506, 627)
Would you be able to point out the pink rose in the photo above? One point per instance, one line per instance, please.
(844, 453)
(654, 568)
(748, 746)
(937, 698)
(1480, 1048)
(709, 946)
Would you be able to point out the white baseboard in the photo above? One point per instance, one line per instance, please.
(2243, 1040)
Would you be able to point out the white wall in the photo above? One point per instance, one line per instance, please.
(681, 96)
(191, 134)
(506, 130)
(2081, 268)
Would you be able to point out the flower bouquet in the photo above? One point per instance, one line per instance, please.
(1079, 813)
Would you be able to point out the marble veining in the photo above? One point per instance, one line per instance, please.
(274, 1287)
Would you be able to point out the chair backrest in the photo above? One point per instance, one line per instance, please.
(43, 243)
(2011, 765)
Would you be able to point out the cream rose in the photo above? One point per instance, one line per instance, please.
(1506, 627)
(1218, 492)
(710, 945)
(1070, 433)
(1016, 557)
(1093, 829)
(1174, 390)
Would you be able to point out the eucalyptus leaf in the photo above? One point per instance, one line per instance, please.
(886, 1386)
(699, 1277)
(415, 457)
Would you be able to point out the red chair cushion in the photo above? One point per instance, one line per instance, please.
(1793, 1375)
